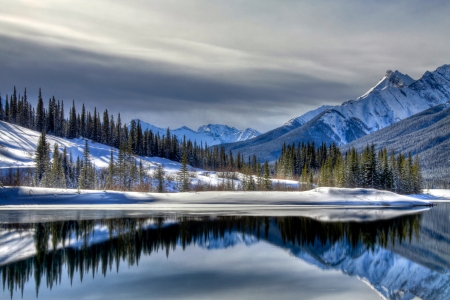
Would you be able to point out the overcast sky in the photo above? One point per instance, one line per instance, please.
(249, 63)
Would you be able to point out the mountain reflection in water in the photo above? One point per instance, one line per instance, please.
(369, 250)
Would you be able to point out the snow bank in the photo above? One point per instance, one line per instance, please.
(440, 194)
(435, 195)
(49, 198)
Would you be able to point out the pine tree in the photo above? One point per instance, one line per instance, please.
(183, 175)
(141, 175)
(57, 177)
(110, 179)
(85, 177)
(72, 130)
(369, 167)
(340, 172)
(41, 159)
(304, 178)
(6, 115)
(416, 177)
(105, 128)
(66, 165)
(160, 178)
(267, 183)
(40, 114)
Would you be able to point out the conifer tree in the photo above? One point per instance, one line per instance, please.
(85, 177)
(160, 178)
(304, 178)
(42, 159)
(40, 114)
(416, 177)
(110, 179)
(57, 177)
(183, 179)
(267, 182)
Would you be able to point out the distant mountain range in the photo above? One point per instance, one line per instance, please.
(211, 134)
(395, 97)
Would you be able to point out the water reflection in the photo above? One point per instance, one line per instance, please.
(83, 247)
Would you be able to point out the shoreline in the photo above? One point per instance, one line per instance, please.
(325, 197)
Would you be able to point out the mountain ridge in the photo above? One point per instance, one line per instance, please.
(395, 97)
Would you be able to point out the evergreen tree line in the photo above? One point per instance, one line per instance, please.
(89, 125)
(327, 166)
(62, 171)
(133, 239)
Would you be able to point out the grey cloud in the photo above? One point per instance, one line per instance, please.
(243, 63)
(136, 87)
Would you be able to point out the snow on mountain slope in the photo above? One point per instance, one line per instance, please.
(211, 134)
(303, 119)
(395, 97)
(426, 134)
(259, 144)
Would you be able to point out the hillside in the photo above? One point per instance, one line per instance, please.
(426, 134)
(18, 146)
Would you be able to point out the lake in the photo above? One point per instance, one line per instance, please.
(136, 254)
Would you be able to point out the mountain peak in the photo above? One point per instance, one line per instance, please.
(444, 70)
(398, 79)
(390, 79)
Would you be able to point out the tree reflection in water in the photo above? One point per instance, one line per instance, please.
(130, 238)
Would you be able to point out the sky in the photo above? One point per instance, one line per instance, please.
(244, 63)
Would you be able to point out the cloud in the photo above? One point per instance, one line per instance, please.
(242, 63)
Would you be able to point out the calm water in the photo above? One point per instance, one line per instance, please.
(112, 255)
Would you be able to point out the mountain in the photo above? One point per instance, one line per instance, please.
(395, 97)
(211, 134)
(257, 144)
(426, 134)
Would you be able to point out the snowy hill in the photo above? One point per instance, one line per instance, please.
(395, 97)
(18, 146)
(211, 134)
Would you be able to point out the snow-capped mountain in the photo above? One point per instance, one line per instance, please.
(211, 134)
(395, 97)
(257, 144)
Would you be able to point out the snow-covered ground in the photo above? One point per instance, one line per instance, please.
(204, 202)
